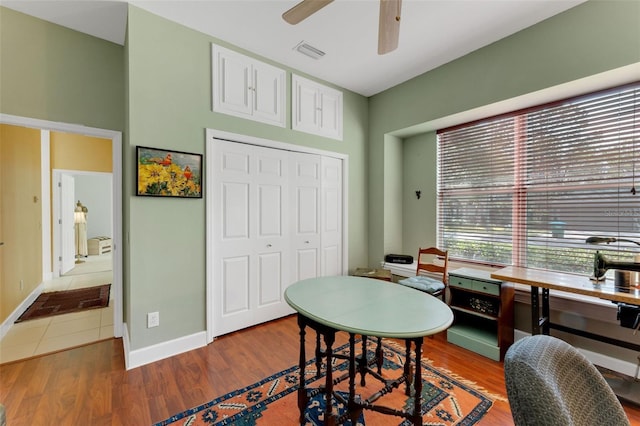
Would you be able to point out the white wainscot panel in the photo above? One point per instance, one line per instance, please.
(233, 162)
(235, 285)
(270, 278)
(307, 210)
(270, 210)
(331, 256)
(306, 263)
(236, 211)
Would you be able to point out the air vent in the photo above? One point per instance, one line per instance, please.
(306, 49)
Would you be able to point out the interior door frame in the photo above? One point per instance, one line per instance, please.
(267, 143)
(63, 230)
(116, 152)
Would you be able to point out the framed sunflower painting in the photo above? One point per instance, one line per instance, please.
(163, 173)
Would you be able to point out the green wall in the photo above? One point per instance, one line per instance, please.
(419, 164)
(169, 101)
(52, 73)
(592, 38)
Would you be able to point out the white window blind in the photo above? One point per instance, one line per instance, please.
(528, 188)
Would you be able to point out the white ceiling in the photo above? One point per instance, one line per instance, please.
(432, 32)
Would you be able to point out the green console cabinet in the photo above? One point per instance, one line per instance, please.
(483, 312)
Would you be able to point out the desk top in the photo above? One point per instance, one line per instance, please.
(570, 283)
(369, 307)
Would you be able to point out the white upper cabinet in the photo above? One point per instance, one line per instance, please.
(247, 88)
(316, 108)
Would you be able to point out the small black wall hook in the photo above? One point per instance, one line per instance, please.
(418, 194)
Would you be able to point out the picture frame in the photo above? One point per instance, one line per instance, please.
(168, 173)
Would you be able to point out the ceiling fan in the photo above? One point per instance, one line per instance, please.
(389, 26)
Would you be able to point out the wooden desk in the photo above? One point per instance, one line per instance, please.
(570, 283)
(379, 274)
(366, 307)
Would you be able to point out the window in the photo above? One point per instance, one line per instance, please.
(528, 188)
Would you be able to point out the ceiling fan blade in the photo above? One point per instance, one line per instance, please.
(389, 28)
(303, 10)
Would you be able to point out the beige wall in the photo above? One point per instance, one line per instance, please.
(77, 152)
(20, 216)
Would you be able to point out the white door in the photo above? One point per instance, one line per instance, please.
(66, 224)
(250, 235)
(305, 206)
(331, 232)
(268, 94)
(232, 80)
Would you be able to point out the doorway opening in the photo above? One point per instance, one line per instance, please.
(110, 263)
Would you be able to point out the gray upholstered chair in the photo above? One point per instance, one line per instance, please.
(550, 383)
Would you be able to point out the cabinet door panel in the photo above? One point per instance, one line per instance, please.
(245, 87)
(268, 94)
(316, 108)
(331, 117)
(231, 83)
(305, 108)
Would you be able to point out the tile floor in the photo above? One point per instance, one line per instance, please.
(40, 336)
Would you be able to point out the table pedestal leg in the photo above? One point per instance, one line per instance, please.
(362, 363)
(302, 391)
(329, 339)
(329, 336)
(353, 409)
(408, 377)
(416, 417)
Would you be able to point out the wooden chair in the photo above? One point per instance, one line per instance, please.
(431, 273)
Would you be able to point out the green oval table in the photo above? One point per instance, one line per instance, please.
(369, 308)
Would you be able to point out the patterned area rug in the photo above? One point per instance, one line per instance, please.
(446, 398)
(65, 302)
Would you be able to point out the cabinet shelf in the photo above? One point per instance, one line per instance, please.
(473, 312)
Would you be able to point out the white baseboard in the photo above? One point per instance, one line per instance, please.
(153, 353)
(596, 358)
(11, 319)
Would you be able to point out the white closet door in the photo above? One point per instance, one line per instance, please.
(66, 223)
(250, 235)
(305, 197)
(331, 217)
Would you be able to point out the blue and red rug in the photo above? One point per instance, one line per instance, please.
(446, 398)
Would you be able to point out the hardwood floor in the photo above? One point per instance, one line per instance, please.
(89, 385)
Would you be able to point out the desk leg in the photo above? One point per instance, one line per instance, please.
(540, 318)
(416, 417)
(535, 310)
(302, 391)
(546, 315)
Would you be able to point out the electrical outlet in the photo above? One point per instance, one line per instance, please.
(153, 319)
